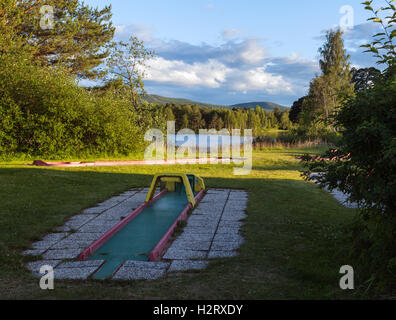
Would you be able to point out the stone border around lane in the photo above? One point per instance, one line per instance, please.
(212, 232)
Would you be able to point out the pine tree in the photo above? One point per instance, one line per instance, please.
(77, 39)
(185, 124)
(196, 117)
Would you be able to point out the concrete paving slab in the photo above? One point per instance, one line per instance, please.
(238, 191)
(76, 224)
(200, 230)
(208, 211)
(185, 265)
(99, 222)
(203, 223)
(214, 198)
(195, 237)
(234, 206)
(74, 273)
(230, 224)
(222, 230)
(222, 254)
(81, 264)
(72, 244)
(34, 252)
(181, 254)
(238, 195)
(211, 207)
(95, 228)
(146, 264)
(203, 219)
(225, 245)
(63, 229)
(181, 244)
(233, 215)
(132, 273)
(80, 218)
(230, 237)
(119, 211)
(82, 236)
(207, 214)
(55, 236)
(130, 193)
(113, 201)
(107, 218)
(96, 209)
(213, 191)
(35, 266)
(137, 198)
(61, 254)
(343, 198)
(43, 244)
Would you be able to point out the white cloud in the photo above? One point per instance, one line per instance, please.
(258, 79)
(247, 52)
(214, 74)
(210, 74)
(142, 31)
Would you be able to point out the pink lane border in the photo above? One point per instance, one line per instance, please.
(160, 247)
(40, 163)
(99, 242)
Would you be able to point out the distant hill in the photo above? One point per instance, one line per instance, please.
(268, 106)
(152, 98)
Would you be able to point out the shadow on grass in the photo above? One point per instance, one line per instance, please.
(289, 232)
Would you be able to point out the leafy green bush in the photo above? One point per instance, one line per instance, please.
(364, 163)
(365, 169)
(45, 113)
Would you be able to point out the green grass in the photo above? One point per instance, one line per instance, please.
(294, 232)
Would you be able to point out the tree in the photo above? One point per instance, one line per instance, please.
(168, 114)
(364, 78)
(76, 41)
(296, 109)
(185, 123)
(278, 113)
(364, 163)
(285, 123)
(127, 62)
(334, 84)
(196, 117)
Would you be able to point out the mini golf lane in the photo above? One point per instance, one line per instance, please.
(139, 237)
(216, 219)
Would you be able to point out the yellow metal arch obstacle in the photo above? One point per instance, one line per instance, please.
(189, 181)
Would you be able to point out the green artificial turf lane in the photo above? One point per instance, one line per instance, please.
(138, 238)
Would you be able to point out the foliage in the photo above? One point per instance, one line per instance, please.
(383, 47)
(126, 63)
(76, 40)
(365, 169)
(364, 78)
(195, 117)
(44, 112)
(328, 90)
(296, 109)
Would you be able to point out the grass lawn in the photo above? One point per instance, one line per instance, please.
(295, 244)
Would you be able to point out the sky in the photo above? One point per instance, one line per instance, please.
(231, 51)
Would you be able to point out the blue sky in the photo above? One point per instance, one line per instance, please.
(233, 51)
